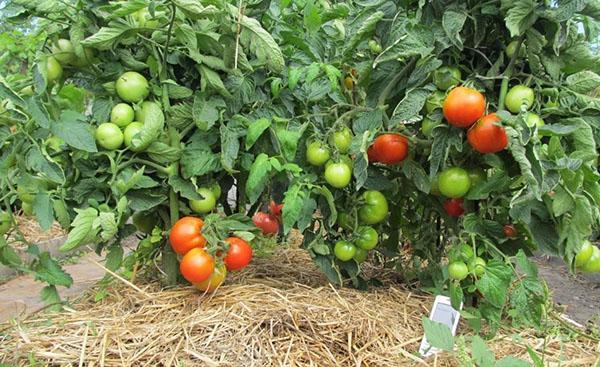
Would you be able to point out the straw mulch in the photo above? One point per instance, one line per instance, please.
(32, 231)
(278, 312)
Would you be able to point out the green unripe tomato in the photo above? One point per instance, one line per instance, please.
(360, 255)
(345, 221)
(534, 120)
(54, 70)
(344, 250)
(338, 175)
(216, 189)
(458, 270)
(517, 96)
(512, 47)
(477, 266)
(374, 46)
(27, 208)
(427, 126)
(593, 263)
(25, 194)
(435, 101)
(367, 238)
(206, 204)
(446, 77)
(374, 209)
(63, 51)
(463, 252)
(5, 222)
(109, 136)
(26, 91)
(88, 57)
(341, 140)
(477, 176)
(584, 254)
(132, 87)
(130, 131)
(144, 222)
(454, 182)
(55, 144)
(317, 153)
(122, 114)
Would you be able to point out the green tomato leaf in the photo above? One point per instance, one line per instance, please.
(453, 22)
(73, 128)
(494, 283)
(520, 15)
(48, 270)
(43, 210)
(255, 130)
(438, 335)
(258, 177)
(82, 229)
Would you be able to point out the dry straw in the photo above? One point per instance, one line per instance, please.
(278, 312)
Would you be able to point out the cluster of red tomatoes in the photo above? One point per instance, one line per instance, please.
(205, 271)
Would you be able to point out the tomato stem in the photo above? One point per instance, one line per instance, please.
(507, 73)
(388, 89)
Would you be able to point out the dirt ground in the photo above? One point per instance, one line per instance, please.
(579, 294)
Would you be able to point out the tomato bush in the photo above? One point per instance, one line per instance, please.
(244, 99)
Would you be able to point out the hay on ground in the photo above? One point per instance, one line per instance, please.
(278, 312)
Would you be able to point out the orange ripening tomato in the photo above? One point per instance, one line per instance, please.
(214, 281)
(186, 235)
(463, 106)
(372, 154)
(239, 254)
(486, 136)
(390, 148)
(197, 265)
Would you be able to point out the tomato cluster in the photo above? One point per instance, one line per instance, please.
(464, 262)
(198, 265)
(364, 240)
(338, 170)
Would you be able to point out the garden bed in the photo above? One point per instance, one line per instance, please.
(280, 311)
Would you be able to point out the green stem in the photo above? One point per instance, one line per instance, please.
(169, 31)
(507, 73)
(388, 89)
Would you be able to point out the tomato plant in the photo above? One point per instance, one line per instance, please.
(265, 115)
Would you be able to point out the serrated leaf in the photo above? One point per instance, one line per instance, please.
(438, 335)
(453, 22)
(255, 130)
(184, 188)
(258, 177)
(43, 210)
(292, 206)
(520, 16)
(75, 131)
(48, 270)
(82, 229)
(105, 38)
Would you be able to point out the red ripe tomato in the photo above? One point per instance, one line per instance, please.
(268, 223)
(510, 231)
(239, 254)
(463, 106)
(454, 207)
(390, 148)
(373, 157)
(197, 265)
(486, 136)
(185, 235)
(275, 208)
